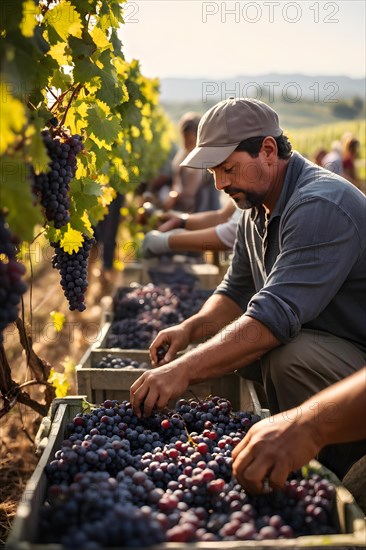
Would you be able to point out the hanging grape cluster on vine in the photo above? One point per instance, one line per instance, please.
(79, 124)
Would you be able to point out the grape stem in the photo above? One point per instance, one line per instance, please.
(59, 98)
(72, 97)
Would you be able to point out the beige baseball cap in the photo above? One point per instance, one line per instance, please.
(227, 124)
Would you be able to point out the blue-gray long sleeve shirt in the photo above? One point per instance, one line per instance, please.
(304, 266)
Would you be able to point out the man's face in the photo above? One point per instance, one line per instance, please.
(244, 178)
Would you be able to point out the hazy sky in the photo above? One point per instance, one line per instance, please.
(192, 38)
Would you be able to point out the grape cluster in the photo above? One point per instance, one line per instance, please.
(11, 285)
(119, 480)
(73, 269)
(140, 313)
(53, 186)
(112, 362)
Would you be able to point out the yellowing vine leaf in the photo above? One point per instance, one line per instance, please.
(68, 365)
(65, 20)
(88, 226)
(100, 39)
(12, 117)
(58, 320)
(108, 195)
(58, 53)
(71, 240)
(60, 382)
(29, 21)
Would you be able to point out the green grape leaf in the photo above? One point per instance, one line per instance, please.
(97, 213)
(102, 157)
(102, 129)
(60, 80)
(15, 191)
(80, 222)
(110, 90)
(35, 149)
(52, 234)
(82, 202)
(84, 47)
(85, 70)
(91, 187)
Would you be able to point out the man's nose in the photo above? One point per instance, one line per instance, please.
(221, 182)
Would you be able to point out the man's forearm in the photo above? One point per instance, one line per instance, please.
(198, 240)
(202, 220)
(235, 346)
(338, 413)
(217, 312)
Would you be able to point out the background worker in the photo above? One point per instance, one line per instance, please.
(280, 444)
(293, 297)
(192, 190)
(214, 230)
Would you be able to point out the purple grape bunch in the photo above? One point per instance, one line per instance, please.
(73, 269)
(12, 287)
(120, 480)
(53, 186)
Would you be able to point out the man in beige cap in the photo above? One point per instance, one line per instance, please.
(293, 300)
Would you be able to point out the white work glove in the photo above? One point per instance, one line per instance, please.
(156, 243)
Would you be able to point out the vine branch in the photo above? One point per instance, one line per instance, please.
(73, 96)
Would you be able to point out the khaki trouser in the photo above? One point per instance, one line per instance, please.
(295, 371)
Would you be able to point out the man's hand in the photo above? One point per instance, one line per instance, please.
(156, 243)
(156, 387)
(173, 339)
(271, 450)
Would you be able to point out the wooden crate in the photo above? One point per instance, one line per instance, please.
(348, 516)
(101, 384)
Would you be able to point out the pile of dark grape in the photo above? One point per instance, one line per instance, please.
(140, 313)
(119, 480)
(112, 362)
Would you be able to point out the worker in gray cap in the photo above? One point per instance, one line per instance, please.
(291, 307)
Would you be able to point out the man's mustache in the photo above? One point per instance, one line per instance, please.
(233, 191)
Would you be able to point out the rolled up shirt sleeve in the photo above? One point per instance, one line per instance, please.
(319, 246)
(226, 232)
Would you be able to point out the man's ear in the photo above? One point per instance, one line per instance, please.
(270, 150)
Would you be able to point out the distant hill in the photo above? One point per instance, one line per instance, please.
(316, 88)
(301, 101)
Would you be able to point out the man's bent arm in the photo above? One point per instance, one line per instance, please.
(235, 346)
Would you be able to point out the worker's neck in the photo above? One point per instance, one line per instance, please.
(278, 174)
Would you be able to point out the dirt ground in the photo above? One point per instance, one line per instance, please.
(19, 427)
